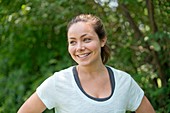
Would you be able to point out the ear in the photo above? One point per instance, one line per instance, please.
(103, 41)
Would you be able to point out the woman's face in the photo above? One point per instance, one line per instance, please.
(84, 45)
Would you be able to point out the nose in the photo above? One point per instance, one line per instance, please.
(80, 46)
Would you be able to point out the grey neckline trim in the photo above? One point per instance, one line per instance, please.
(112, 80)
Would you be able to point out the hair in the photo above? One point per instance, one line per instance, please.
(98, 28)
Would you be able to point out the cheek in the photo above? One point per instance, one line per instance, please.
(94, 46)
(70, 50)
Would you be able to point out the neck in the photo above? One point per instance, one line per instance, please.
(91, 70)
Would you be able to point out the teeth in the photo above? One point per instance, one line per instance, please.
(83, 55)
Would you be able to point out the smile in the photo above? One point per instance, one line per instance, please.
(83, 55)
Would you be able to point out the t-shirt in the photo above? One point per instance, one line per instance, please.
(63, 92)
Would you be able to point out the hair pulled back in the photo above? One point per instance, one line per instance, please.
(98, 28)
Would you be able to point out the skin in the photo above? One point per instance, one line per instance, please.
(145, 106)
(32, 105)
(84, 47)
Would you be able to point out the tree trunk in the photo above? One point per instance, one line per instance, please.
(155, 54)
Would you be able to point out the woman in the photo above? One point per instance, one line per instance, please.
(90, 86)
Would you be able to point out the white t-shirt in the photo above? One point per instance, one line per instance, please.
(63, 92)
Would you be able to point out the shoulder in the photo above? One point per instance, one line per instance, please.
(122, 78)
(63, 74)
(59, 76)
(120, 73)
(57, 80)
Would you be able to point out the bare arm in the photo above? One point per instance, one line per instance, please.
(32, 105)
(145, 106)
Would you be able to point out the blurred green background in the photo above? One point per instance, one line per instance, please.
(33, 45)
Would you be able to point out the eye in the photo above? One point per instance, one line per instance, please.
(72, 42)
(87, 40)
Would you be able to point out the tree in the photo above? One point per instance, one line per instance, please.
(33, 45)
(140, 40)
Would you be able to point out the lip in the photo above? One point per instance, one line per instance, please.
(84, 55)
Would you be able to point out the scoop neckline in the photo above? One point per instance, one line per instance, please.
(112, 81)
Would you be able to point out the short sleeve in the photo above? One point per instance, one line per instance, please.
(46, 91)
(135, 95)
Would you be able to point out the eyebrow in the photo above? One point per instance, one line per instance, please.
(80, 36)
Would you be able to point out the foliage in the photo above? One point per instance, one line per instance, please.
(33, 45)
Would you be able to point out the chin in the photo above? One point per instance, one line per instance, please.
(85, 64)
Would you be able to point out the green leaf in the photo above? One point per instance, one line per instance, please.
(156, 46)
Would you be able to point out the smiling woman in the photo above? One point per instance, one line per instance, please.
(84, 44)
(90, 86)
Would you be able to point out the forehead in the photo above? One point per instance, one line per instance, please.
(80, 28)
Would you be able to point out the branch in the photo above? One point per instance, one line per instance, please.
(137, 32)
(150, 8)
(155, 54)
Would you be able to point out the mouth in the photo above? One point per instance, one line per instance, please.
(83, 55)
